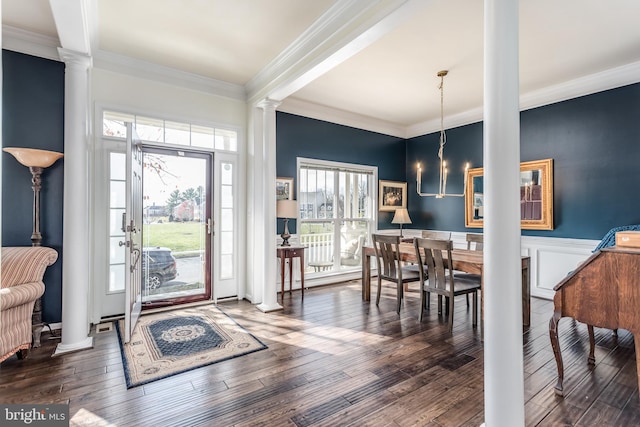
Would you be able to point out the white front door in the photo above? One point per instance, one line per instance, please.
(132, 227)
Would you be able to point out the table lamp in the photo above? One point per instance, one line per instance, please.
(286, 209)
(36, 161)
(401, 217)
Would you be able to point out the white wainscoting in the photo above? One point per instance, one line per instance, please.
(551, 260)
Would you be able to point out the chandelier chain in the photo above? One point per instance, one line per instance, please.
(443, 135)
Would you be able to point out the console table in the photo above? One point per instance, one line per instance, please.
(289, 253)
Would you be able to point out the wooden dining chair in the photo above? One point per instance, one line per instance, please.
(475, 241)
(436, 276)
(390, 266)
(439, 235)
(432, 234)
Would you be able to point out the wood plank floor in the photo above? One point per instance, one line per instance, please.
(337, 361)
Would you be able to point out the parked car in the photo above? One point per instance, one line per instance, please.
(158, 266)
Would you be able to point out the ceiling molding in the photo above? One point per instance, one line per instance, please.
(147, 70)
(598, 82)
(303, 108)
(343, 30)
(27, 42)
(587, 85)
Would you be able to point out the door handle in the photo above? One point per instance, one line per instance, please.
(209, 225)
(136, 253)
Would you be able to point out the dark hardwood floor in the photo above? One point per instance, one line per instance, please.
(335, 361)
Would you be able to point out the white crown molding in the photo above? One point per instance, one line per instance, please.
(451, 121)
(34, 44)
(146, 70)
(303, 108)
(587, 85)
(18, 40)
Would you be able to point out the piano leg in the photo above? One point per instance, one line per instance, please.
(592, 346)
(636, 339)
(553, 335)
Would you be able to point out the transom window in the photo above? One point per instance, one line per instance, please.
(169, 132)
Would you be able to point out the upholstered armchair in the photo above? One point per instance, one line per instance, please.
(21, 273)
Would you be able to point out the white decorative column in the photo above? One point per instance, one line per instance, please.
(503, 354)
(268, 189)
(1, 113)
(75, 238)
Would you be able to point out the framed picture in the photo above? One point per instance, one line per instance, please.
(284, 188)
(393, 195)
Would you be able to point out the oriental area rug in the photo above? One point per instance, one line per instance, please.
(169, 343)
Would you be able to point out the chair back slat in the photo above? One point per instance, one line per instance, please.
(430, 254)
(387, 253)
(475, 241)
(438, 235)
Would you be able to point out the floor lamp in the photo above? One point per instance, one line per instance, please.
(36, 161)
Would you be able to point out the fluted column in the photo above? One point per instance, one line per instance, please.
(267, 218)
(75, 238)
(503, 354)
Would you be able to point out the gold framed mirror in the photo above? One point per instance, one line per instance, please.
(536, 196)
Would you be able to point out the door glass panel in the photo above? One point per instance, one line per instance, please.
(116, 209)
(202, 136)
(177, 133)
(174, 232)
(226, 140)
(149, 129)
(116, 276)
(226, 221)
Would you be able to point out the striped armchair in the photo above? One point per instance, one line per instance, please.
(21, 272)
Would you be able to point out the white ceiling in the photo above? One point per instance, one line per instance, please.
(366, 63)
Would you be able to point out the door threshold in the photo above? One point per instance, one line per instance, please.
(176, 306)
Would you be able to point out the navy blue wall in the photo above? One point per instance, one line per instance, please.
(594, 141)
(33, 117)
(303, 137)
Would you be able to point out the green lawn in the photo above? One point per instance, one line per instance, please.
(178, 236)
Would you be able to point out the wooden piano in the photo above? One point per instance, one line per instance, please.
(604, 291)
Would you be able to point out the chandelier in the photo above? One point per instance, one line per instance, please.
(442, 189)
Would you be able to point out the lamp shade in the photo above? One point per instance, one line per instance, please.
(287, 209)
(31, 157)
(401, 217)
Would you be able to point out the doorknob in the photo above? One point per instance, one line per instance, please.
(209, 224)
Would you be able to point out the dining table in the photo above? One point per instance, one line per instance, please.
(464, 260)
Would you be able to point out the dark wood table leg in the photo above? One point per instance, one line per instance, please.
(282, 259)
(302, 273)
(526, 293)
(290, 272)
(366, 277)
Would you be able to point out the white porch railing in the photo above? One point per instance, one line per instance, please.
(319, 247)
